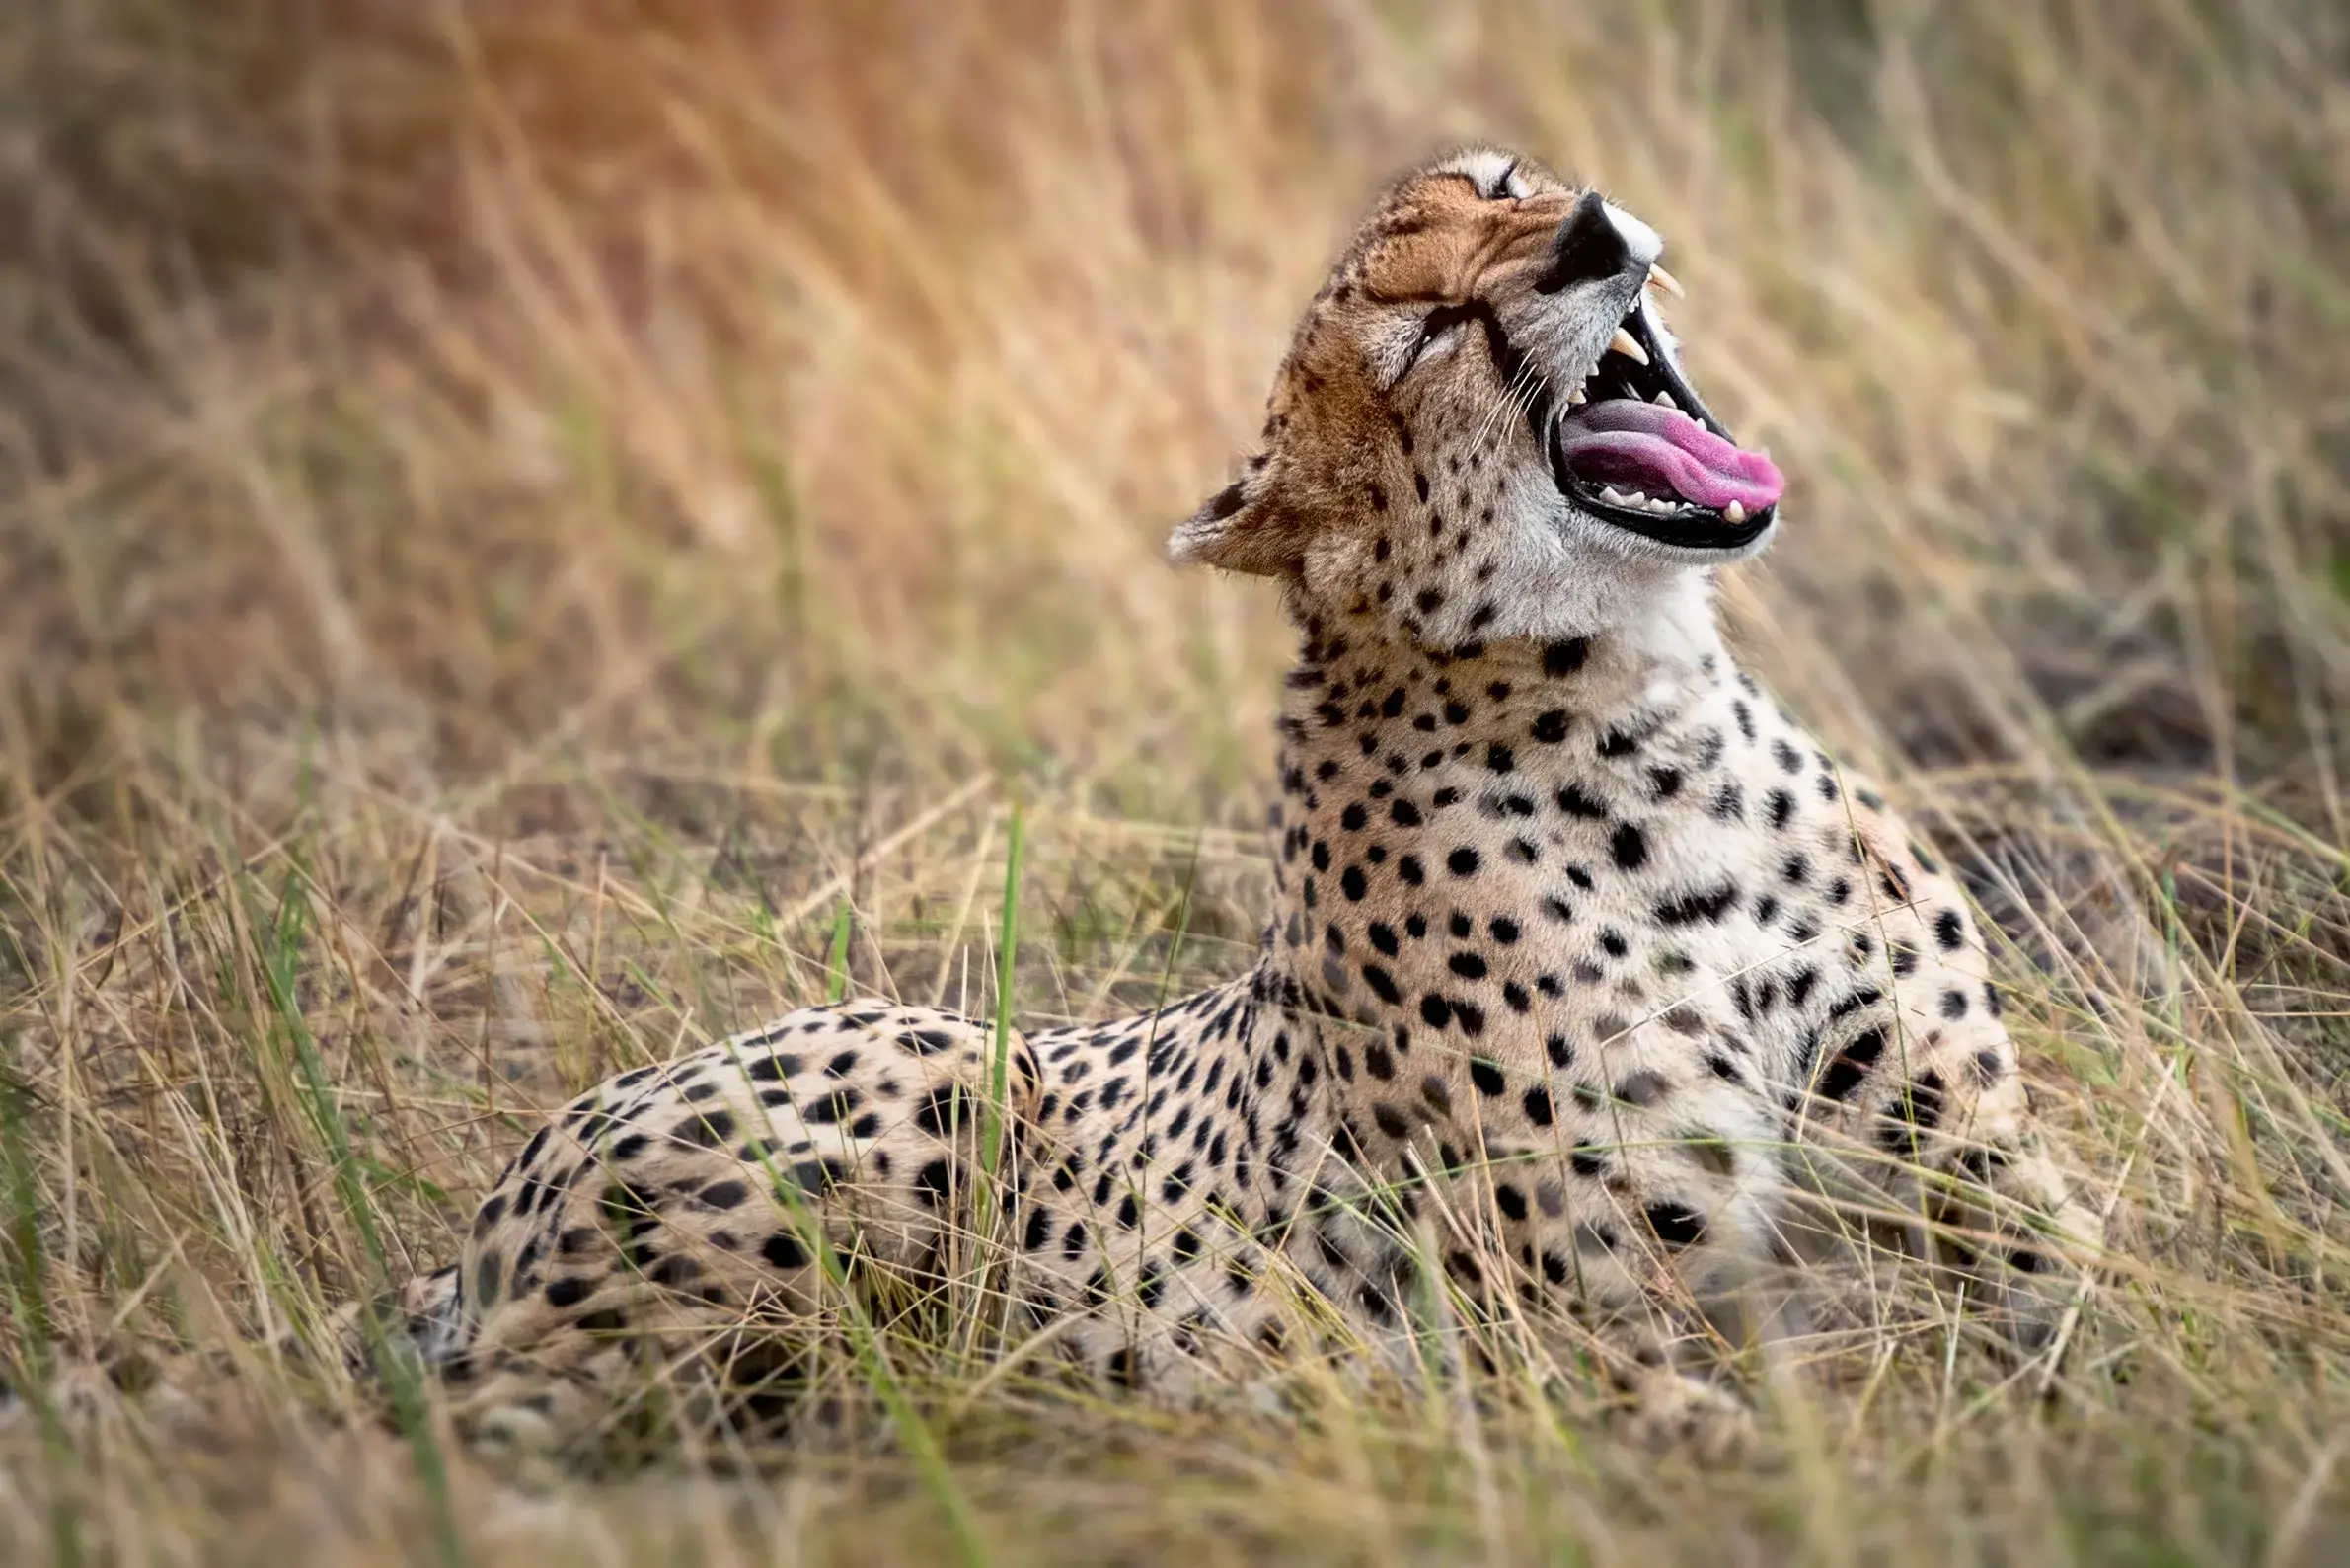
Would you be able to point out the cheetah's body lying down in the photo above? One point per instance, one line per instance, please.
(1586, 965)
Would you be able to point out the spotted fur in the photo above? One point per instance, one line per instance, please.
(1590, 977)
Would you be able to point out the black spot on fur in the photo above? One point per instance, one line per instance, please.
(934, 1181)
(1852, 1065)
(1576, 802)
(1948, 931)
(943, 1109)
(1708, 905)
(1567, 658)
(710, 1130)
(1676, 1225)
(567, 1292)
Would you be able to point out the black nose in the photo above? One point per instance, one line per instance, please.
(1588, 249)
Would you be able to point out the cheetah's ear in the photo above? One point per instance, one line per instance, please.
(1243, 527)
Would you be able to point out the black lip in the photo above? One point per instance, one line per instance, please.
(1706, 531)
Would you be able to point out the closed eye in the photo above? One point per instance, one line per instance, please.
(1437, 328)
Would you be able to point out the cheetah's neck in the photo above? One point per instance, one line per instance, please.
(1452, 827)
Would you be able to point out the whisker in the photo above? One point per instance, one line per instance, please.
(1535, 383)
(1509, 401)
(1485, 417)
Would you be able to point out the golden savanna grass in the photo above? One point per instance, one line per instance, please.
(536, 532)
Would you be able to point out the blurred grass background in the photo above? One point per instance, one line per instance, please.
(534, 532)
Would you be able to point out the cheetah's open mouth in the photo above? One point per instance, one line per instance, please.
(1638, 448)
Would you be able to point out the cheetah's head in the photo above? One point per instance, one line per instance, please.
(1483, 425)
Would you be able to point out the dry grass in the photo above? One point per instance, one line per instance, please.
(534, 533)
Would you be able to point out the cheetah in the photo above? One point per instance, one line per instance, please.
(1591, 982)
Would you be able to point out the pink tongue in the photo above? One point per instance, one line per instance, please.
(1649, 447)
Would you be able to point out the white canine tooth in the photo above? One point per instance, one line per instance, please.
(1734, 513)
(1624, 343)
(1666, 399)
(1575, 396)
(1666, 281)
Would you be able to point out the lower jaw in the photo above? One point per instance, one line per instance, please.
(1704, 530)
